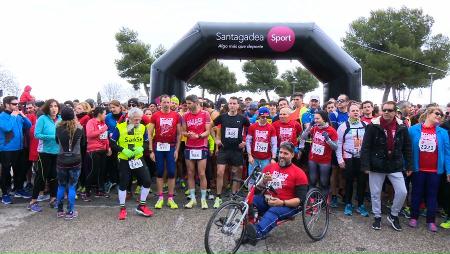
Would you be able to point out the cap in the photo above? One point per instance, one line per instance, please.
(253, 106)
(134, 101)
(263, 111)
(67, 114)
(314, 97)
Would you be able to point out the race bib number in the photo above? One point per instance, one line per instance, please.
(134, 164)
(162, 147)
(104, 135)
(276, 184)
(195, 154)
(427, 144)
(231, 132)
(261, 147)
(357, 142)
(318, 149)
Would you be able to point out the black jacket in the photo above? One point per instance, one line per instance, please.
(374, 154)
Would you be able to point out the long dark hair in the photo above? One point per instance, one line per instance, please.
(46, 107)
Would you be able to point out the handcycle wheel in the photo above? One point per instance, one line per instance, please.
(316, 214)
(225, 230)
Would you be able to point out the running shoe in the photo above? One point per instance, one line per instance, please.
(137, 191)
(85, 197)
(334, 202)
(159, 204)
(28, 187)
(217, 203)
(377, 223)
(22, 194)
(187, 193)
(172, 204)
(60, 214)
(6, 199)
(35, 207)
(108, 186)
(432, 227)
(191, 204)
(348, 210)
(101, 194)
(43, 197)
(412, 223)
(423, 212)
(204, 204)
(123, 213)
(144, 210)
(53, 204)
(71, 215)
(395, 222)
(183, 184)
(362, 210)
(445, 224)
(405, 212)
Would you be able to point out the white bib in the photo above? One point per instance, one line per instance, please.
(318, 149)
(261, 146)
(427, 143)
(162, 147)
(231, 132)
(134, 164)
(195, 154)
(104, 135)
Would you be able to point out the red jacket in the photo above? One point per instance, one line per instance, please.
(97, 135)
(26, 96)
(83, 119)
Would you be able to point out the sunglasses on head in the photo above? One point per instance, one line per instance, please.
(388, 110)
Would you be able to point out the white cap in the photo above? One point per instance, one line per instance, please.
(314, 97)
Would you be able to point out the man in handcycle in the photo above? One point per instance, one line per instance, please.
(289, 187)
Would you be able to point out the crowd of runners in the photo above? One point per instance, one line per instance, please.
(395, 155)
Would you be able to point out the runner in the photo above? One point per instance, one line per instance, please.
(367, 112)
(196, 127)
(287, 130)
(230, 146)
(128, 140)
(164, 147)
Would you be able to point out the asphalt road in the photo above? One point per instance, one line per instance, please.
(98, 230)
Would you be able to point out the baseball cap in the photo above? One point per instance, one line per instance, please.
(314, 97)
(263, 111)
(253, 106)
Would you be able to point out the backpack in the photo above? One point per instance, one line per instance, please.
(69, 157)
(348, 129)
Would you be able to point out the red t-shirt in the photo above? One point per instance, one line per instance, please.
(284, 180)
(196, 123)
(261, 145)
(428, 153)
(320, 151)
(287, 131)
(165, 127)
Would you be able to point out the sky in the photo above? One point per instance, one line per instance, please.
(66, 49)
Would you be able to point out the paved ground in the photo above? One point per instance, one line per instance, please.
(98, 230)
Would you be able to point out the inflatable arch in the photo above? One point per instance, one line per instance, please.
(305, 42)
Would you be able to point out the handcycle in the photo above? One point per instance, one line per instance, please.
(226, 227)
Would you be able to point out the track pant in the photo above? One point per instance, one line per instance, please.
(425, 185)
(270, 215)
(46, 173)
(98, 167)
(376, 185)
(10, 159)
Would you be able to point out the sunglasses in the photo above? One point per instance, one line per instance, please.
(132, 105)
(341, 101)
(438, 114)
(388, 110)
(14, 104)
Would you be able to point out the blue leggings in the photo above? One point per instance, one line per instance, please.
(165, 160)
(425, 186)
(67, 179)
(320, 171)
(270, 215)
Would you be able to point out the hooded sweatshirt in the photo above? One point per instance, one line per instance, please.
(26, 95)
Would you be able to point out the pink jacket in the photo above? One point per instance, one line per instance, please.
(97, 135)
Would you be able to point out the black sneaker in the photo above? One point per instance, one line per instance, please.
(395, 223)
(251, 235)
(377, 223)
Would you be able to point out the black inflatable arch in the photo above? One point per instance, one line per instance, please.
(306, 42)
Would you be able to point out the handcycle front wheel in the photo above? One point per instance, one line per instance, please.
(226, 228)
(316, 214)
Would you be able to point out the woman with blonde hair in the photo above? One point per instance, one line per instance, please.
(431, 159)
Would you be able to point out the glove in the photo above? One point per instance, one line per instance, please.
(325, 135)
(127, 152)
(138, 151)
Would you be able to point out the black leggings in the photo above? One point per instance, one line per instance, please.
(352, 171)
(320, 171)
(125, 174)
(111, 172)
(46, 173)
(98, 168)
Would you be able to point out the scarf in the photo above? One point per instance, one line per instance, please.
(390, 128)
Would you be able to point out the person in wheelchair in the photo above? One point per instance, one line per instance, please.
(289, 186)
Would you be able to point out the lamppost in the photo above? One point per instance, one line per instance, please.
(431, 86)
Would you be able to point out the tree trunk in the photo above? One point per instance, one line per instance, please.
(387, 90)
(267, 95)
(409, 94)
(215, 97)
(203, 93)
(394, 94)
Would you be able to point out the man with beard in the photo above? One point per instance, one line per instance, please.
(128, 140)
(291, 185)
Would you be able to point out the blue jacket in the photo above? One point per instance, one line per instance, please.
(111, 122)
(11, 131)
(337, 118)
(308, 116)
(45, 132)
(443, 148)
